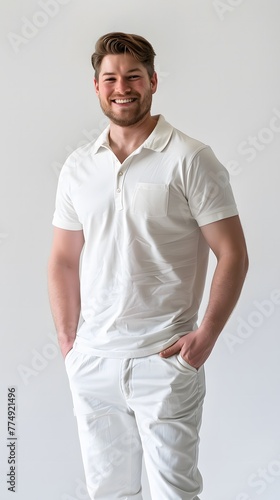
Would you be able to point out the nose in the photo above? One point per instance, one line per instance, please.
(122, 86)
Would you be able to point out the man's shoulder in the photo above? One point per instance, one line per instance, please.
(84, 152)
(186, 144)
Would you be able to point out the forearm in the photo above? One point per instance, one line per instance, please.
(226, 240)
(225, 289)
(196, 346)
(64, 294)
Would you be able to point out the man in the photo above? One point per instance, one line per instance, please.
(144, 202)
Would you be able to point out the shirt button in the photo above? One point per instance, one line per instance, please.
(118, 190)
(120, 173)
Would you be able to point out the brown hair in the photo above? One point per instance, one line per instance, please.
(121, 43)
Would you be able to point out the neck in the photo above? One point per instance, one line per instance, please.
(125, 140)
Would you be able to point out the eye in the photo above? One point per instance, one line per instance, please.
(134, 77)
(111, 79)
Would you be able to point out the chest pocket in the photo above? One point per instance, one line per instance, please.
(150, 200)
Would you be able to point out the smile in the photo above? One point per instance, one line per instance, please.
(123, 101)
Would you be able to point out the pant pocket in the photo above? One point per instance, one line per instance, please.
(68, 354)
(84, 379)
(185, 364)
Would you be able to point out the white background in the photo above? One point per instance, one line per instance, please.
(218, 65)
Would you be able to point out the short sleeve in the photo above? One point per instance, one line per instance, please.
(208, 189)
(65, 216)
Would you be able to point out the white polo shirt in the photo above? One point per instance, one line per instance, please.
(144, 261)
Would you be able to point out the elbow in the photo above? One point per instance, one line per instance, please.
(247, 263)
(244, 262)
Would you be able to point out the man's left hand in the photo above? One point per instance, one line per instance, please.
(194, 347)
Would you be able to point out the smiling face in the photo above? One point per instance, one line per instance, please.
(125, 89)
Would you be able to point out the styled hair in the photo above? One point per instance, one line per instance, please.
(123, 43)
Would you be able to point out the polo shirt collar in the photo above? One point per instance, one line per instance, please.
(156, 141)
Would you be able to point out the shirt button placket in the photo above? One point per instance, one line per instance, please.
(121, 174)
(119, 189)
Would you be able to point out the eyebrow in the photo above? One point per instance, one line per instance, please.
(113, 73)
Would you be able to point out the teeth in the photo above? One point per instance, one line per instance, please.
(123, 101)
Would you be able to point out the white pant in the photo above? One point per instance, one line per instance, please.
(124, 408)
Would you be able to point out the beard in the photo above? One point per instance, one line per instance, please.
(128, 117)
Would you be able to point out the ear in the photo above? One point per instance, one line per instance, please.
(154, 82)
(96, 85)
